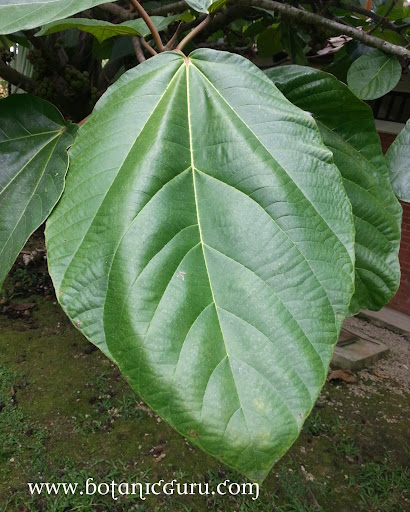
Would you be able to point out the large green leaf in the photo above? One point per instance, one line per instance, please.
(348, 130)
(18, 15)
(373, 75)
(33, 163)
(205, 236)
(103, 30)
(398, 162)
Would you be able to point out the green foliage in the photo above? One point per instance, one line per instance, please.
(25, 14)
(183, 287)
(33, 157)
(213, 233)
(206, 5)
(103, 30)
(373, 75)
(398, 162)
(348, 130)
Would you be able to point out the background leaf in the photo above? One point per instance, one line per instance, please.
(270, 41)
(373, 75)
(211, 248)
(206, 5)
(33, 163)
(18, 15)
(398, 162)
(348, 130)
(103, 30)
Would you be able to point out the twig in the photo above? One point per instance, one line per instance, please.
(369, 14)
(384, 18)
(16, 78)
(117, 11)
(333, 27)
(171, 44)
(219, 21)
(194, 32)
(138, 50)
(80, 123)
(166, 9)
(148, 47)
(153, 29)
(403, 27)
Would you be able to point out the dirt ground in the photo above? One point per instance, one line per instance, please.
(66, 415)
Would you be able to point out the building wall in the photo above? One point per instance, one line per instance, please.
(401, 301)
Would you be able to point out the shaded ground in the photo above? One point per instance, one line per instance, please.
(66, 415)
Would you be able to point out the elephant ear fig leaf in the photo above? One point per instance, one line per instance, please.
(33, 163)
(398, 162)
(348, 130)
(206, 241)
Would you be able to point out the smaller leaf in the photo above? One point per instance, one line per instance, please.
(254, 29)
(390, 36)
(294, 45)
(215, 6)
(398, 162)
(270, 42)
(33, 162)
(344, 58)
(268, 11)
(19, 38)
(397, 13)
(373, 75)
(103, 30)
(206, 5)
(5, 42)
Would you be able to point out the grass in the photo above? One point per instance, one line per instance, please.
(67, 415)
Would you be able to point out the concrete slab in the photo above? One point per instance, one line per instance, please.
(358, 354)
(387, 317)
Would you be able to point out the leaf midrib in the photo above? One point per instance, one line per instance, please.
(188, 65)
(368, 84)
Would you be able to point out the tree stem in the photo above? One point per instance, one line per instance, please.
(166, 9)
(117, 11)
(153, 29)
(16, 78)
(194, 32)
(148, 47)
(138, 50)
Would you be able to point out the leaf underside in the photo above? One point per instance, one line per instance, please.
(33, 163)
(398, 162)
(18, 15)
(201, 5)
(196, 247)
(348, 130)
(103, 30)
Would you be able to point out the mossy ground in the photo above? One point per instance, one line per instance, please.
(66, 415)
